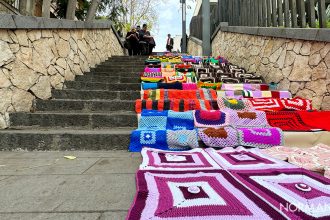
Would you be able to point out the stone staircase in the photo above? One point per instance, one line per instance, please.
(94, 112)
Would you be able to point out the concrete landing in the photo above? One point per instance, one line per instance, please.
(44, 185)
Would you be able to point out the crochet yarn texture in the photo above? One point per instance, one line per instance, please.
(182, 139)
(219, 137)
(260, 137)
(214, 118)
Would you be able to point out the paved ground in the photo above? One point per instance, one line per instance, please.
(44, 185)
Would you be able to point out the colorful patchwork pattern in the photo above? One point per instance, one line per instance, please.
(266, 94)
(194, 195)
(153, 120)
(295, 193)
(245, 159)
(234, 104)
(260, 137)
(180, 120)
(154, 159)
(210, 118)
(148, 138)
(247, 118)
(240, 87)
(182, 139)
(219, 137)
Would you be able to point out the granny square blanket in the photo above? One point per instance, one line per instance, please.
(297, 103)
(182, 139)
(244, 86)
(260, 137)
(147, 138)
(247, 118)
(266, 104)
(154, 159)
(205, 94)
(237, 94)
(266, 94)
(234, 104)
(213, 118)
(192, 195)
(245, 159)
(219, 137)
(180, 120)
(287, 121)
(153, 120)
(295, 193)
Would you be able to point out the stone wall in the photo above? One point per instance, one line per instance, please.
(194, 46)
(300, 66)
(34, 61)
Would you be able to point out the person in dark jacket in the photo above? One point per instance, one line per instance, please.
(169, 43)
(144, 35)
(132, 38)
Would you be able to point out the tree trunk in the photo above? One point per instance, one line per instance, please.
(92, 10)
(71, 9)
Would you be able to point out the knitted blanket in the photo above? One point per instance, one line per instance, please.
(219, 137)
(155, 159)
(165, 94)
(288, 121)
(316, 119)
(180, 120)
(148, 138)
(182, 139)
(247, 118)
(179, 105)
(230, 94)
(189, 86)
(173, 79)
(146, 86)
(152, 70)
(153, 120)
(250, 87)
(234, 104)
(266, 94)
(151, 76)
(245, 159)
(214, 118)
(273, 104)
(205, 85)
(260, 137)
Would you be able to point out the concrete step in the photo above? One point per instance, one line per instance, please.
(121, 69)
(102, 86)
(128, 58)
(65, 139)
(71, 105)
(132, 74)
(75, 119)
(123, 63)
(95, 94)
(108, 79)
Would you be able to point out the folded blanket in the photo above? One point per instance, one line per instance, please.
(260, 137)
(148, 138)
(251, 87)
(153, 120)
(146, 86)
(180, 120)
(172, 79)
(151, 70)
(234, 104)
(213, 118)
(151, 76)
(189, 86)
(230, 94)
(316, 119)
(182, 140)
(158, 94)
(179, 105)
(273, 104)
(205, 85)
(247, 118)
(266, 94)
(219, 137)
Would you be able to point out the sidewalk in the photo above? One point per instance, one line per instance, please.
(45, 185)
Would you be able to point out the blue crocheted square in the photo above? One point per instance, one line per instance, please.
(146, 86)
(148, 138)
(180, 120)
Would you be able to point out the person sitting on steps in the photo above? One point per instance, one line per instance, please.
(144, 35)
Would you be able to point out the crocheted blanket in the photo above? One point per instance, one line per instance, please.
(260, 137)
(219, 137)
(273, 104)
(244, 86)
(245, 159)
(169, 94)
(234, 104)
(179, 105)
(147, 138)
(266, 94)
(180, 120)
(237, 94)
(214, 118)
(205, 85)
(247, 118)
(230, 183)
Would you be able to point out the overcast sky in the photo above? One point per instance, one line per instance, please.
(170, 22)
